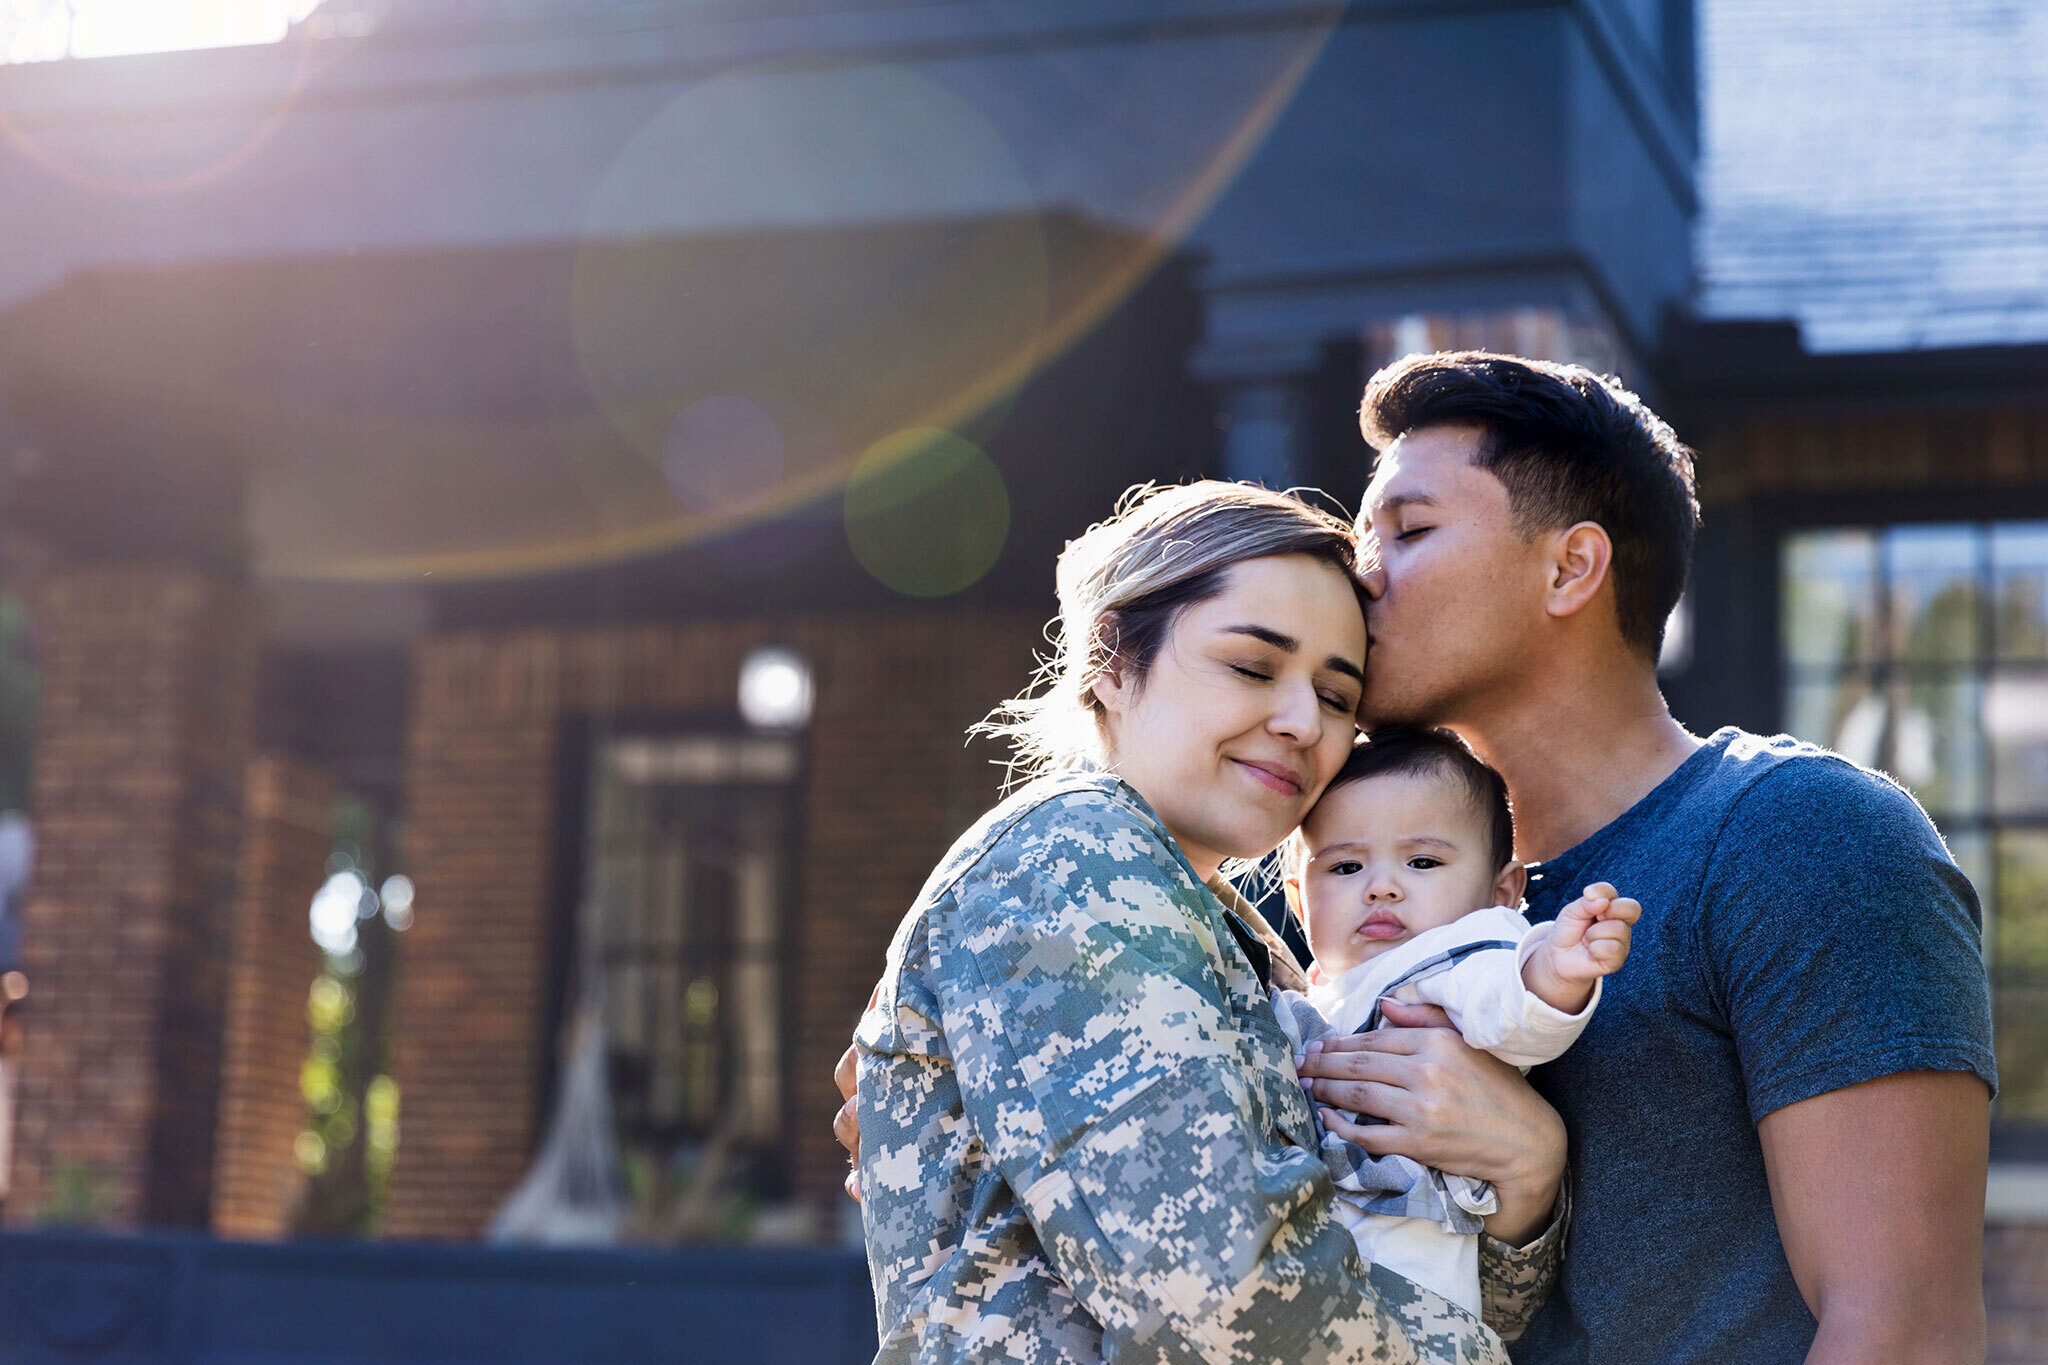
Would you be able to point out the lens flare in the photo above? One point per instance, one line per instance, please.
(926, 512)
(708, 266)
(723, 454)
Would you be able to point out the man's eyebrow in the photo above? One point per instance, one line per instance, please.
(1394, 502)
(1287, 644)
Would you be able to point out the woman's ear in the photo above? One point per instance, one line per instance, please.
(1580, 560)
(1511, 885)
(1110, 689)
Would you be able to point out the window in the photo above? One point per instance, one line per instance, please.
(688, 844)
(1923, 650)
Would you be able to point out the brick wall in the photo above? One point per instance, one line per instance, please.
(1892, 452)
(889, 785)
(2016, 1292)
(286, 836)
(143, 740)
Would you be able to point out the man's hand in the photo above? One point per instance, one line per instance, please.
(1448, 1105)
(846, 1123)
(1588, 940)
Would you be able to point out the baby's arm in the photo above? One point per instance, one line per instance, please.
(1589, 940)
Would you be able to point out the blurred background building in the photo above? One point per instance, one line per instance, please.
(539, 489)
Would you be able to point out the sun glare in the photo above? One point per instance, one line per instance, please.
(44, 30)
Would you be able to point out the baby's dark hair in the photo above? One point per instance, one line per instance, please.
(1404, 749)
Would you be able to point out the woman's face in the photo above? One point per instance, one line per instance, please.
(1248, 710)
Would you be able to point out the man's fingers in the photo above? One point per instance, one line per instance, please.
(844, 1074)
(846, 1127)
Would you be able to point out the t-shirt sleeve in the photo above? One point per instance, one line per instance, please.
(1839, 938)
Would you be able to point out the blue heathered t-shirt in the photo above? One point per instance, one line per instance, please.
(1803, 930)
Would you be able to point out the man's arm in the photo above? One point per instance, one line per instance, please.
(1879, 1194)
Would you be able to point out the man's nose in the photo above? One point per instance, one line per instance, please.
(1374, 581)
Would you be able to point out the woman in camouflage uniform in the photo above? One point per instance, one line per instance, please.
(1081, 1133)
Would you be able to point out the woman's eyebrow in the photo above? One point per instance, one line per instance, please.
(1287, 644)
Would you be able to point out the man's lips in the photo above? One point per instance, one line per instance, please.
(1275, 777)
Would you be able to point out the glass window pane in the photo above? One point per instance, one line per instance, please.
(1845, 714)
(1936, 610)
(2019, 959)
(2019, 574)
(1830, 598)
(2016, 720)
(1938, 744)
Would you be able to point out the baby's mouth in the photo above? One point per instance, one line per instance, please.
(1380, 926)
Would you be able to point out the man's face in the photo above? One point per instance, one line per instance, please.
(1457, 594)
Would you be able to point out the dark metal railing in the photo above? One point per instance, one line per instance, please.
(176, 1299)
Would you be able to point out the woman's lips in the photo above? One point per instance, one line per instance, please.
(1272, 777)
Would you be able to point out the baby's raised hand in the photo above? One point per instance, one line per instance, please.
(1589, 940)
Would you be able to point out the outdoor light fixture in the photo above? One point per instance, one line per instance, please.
(776, 691)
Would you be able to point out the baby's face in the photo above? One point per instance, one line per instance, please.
(1390, 857)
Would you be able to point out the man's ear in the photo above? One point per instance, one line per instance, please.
(1580, 559)
(1510, 886)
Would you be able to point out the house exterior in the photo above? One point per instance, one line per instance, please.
(441, 410)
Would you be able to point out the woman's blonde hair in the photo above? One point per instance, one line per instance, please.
(1124, 582)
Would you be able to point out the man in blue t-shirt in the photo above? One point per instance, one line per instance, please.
(1778, 1118)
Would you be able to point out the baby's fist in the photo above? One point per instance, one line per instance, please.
(1591, 936)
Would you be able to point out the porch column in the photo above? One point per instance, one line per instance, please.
(142, 743)
(288, 831)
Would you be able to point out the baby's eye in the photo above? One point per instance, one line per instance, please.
(1343, 869)
(1422, 862)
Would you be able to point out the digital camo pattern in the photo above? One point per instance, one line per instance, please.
(1081, 1132)
(1514, 1281)
(1391, 1185)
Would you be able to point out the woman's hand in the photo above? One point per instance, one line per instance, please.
(1447, 1105)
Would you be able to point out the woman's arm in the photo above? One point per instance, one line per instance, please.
(1451, 1106)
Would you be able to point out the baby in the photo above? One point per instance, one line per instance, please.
(1393, 872)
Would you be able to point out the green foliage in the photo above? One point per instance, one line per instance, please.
(81, 1196)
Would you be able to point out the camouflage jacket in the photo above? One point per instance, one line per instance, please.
(1081, 1132)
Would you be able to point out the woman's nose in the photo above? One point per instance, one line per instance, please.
(1298, 715)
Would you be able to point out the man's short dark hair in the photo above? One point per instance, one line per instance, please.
(1570, 446)
(1413, 750)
